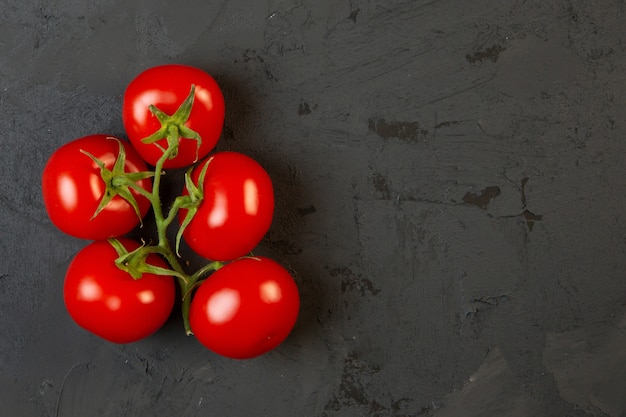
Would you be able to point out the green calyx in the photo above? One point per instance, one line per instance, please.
(192, 201)
(173, 127)
(117, 181)
(134, 262)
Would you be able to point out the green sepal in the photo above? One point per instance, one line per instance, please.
(134, 262)
(192, 201)
(138, 176)
(173, 127)
(117, 182)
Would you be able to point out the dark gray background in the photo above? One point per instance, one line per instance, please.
(451, 189)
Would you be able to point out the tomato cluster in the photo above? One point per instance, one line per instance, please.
(100, 187)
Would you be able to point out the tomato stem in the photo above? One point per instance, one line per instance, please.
(185, 308)
(162, 222)
(186, 282)
(205, 270)
(172, 129)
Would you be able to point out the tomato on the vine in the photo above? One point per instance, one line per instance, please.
(166, 87)
(108, 302)
(236, 210)
(245, 309)
(73, 188)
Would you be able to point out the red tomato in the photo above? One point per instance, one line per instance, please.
(245, 309)
(72, 189)
(166, 87)
(237, 208)
(108, 302)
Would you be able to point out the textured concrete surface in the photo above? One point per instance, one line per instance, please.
(451, 193)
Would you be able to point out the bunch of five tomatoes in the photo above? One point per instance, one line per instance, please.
(100, 188)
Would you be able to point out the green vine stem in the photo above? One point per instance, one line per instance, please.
(134, 262)
(187, 282)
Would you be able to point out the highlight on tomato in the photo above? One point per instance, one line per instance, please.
(85, 187)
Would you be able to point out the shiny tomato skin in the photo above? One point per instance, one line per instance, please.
(237, 208)
(245, 309)
(72, 189)
(108, 302)
(166, 87)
